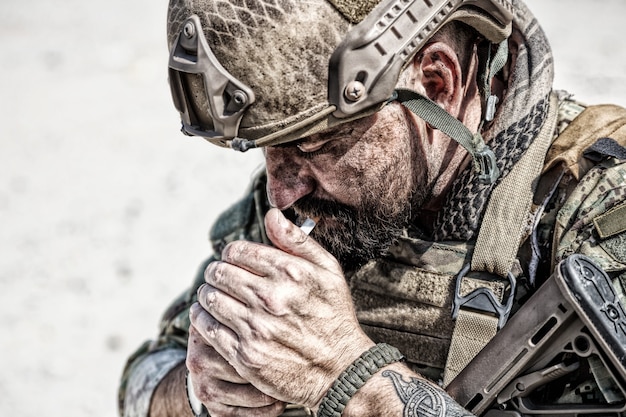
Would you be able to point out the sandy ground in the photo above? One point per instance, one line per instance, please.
(104, 206)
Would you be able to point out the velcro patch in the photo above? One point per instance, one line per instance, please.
(612, 222)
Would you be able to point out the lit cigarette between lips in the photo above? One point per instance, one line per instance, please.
(308, 225)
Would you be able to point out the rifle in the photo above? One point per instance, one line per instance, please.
(541, 361)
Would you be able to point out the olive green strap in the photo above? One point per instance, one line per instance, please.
(472, 331)
(438, 118)
(612, 222)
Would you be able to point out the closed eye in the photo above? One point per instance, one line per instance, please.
(312, 146)
(308, 154)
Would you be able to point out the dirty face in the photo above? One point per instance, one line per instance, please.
(363, 180)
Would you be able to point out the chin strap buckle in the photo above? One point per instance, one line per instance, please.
(438, 118)
(485, 160)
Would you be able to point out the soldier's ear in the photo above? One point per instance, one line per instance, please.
(437, 74)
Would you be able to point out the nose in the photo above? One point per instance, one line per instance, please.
(288, 177)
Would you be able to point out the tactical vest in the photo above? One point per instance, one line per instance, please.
(406, 299)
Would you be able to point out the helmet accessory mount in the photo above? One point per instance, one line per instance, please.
(225, 98)
(375, 51)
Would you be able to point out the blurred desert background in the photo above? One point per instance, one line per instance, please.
(105, 206)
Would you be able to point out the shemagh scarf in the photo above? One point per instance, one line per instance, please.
(520, 116)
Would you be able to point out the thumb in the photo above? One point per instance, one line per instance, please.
(291, 239)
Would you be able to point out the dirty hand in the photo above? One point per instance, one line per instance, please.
(220, 388)
(282, 317)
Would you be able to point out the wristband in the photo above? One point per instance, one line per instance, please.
(197, 408)
(355, 376)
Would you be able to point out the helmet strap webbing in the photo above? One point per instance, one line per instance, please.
(483, 157)
(488, 67)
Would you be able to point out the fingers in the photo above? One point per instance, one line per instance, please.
(222, 410)
(204, 359)
(233, 280)
(294, 251)
(221, 338)
(262, 260)
(237, 395)
(291, 239)
(220, 388)
(251, 272)
(221, 307)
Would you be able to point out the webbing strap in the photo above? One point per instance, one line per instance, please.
(493, 66)
(506, 215)
(438, 118)
(498, 62)
(472, 331)
(498, 242)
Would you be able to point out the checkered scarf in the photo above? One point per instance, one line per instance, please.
(521, 115)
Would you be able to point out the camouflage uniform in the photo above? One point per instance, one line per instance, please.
(579, 207)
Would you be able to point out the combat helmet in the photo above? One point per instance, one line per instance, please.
(251, 73)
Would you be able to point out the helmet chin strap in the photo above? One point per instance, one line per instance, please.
(482, 155)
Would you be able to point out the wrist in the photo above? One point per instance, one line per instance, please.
(170, 396)
(398, 391)
(355, 377)
(378, 396)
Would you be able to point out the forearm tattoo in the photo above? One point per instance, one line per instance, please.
(422, 399)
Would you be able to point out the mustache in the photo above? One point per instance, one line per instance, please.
(316, 207)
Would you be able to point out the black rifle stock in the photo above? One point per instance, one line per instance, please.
(573, 323)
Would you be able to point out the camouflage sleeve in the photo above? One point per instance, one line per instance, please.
(592, 221)
(152, 361)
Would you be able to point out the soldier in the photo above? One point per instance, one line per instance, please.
(425, 143)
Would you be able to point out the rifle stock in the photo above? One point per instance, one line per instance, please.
(573, 326)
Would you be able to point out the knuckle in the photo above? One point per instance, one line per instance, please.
(260, 331)
(249, 358)
(210, 297)
(240, 251)
(267, 300)
(299, 272)
(272, 302)
(215, 272)
(209, 393)
(207, 299)
(233, 250)
(209, 270)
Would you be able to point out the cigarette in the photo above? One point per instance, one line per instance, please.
(308, 225)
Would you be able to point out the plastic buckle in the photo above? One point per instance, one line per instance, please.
(490, 112)
(483, 299)
(489, 171)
